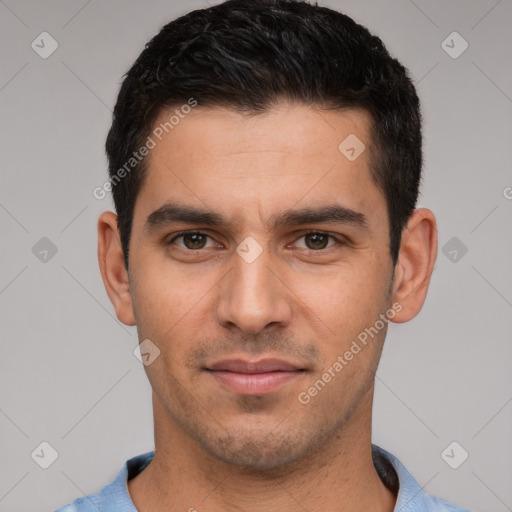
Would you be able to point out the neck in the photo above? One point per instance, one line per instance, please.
(339, 476)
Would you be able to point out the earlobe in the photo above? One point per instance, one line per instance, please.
(113, 269)
(416, 259)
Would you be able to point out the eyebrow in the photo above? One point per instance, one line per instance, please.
(174, 213)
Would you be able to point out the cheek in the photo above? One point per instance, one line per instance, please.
(344, 296)
(173, 308)
(161, 300)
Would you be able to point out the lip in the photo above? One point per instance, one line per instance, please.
(254, 377)
(261, 366)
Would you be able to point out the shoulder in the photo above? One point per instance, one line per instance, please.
(114, 493)
(411, 497)
(85, 504)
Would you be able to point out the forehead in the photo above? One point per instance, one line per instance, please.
(242, 165)
(296, 129)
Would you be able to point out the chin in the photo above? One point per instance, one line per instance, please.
(257, 452)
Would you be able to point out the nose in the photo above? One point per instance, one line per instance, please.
(252, 296)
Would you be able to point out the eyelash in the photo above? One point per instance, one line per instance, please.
(316, 251)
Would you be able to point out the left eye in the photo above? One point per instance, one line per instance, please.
(317, 241)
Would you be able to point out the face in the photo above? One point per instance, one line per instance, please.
(259, 255)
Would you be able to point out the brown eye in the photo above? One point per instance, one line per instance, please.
(191, 241)
(316, 241)
(194, 240)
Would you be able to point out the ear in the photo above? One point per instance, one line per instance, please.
(112, 267)
(416, 259)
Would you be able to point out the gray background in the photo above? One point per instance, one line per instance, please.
(68, 374)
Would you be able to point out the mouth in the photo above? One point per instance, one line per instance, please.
(254, 377)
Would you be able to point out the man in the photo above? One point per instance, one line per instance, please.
(264, 160)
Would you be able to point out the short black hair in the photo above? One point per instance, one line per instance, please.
(251, 55)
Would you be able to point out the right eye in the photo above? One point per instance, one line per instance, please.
(191, 240)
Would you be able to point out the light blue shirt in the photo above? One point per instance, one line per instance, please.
(114, 497)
